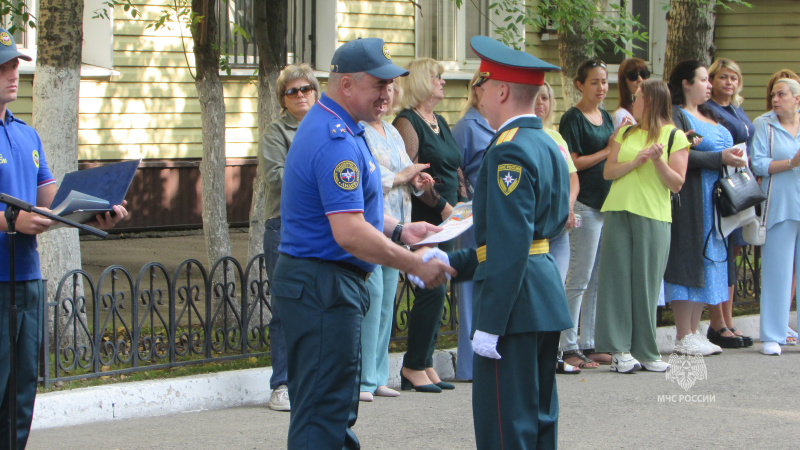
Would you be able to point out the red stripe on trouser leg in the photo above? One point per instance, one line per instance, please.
(499, 415)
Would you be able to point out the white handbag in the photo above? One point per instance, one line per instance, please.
(755, 232)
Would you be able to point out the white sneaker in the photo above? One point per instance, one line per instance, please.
(690, 346)
(624, 362)
(713, 348)
(279, 400)
(771, 348)
(655, 366)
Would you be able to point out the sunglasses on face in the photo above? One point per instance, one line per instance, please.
(483, 77)
(292, 93)
(633, 76)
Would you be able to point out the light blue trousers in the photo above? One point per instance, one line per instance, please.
(584, 243)
(376, 329)
(780, 252)
(464, 297)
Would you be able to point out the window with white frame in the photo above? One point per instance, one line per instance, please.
(443, 31)
(652, 18)
(310, 33)
(98, 38)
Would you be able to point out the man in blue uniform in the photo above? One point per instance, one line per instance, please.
(334, 233)
(521, 200)
(24, 175)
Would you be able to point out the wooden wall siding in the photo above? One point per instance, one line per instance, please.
(392, 21)
(151, 110)
(763, 40)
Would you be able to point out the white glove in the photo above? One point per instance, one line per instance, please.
(485, 344)
(430, 254)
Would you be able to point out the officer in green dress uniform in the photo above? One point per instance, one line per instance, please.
(521, 200)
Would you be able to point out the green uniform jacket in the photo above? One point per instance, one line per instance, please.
(522, 194)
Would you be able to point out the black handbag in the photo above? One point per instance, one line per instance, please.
(735, 192)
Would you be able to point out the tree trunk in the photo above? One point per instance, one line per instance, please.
(270, 35)
(212, 111)
(55, 117)
(690, 33)
(571, 53)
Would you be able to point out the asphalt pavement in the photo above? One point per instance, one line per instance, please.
(740, 399)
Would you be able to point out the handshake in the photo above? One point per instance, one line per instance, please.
(436, 255)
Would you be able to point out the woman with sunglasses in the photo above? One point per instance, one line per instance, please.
(632, 72)
(297, 90)
(726, 102)
(697, 271)
(588, 131)
(646, 162)
(472, 133)
(428, 140)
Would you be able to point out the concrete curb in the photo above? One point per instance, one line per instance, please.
(230, 389)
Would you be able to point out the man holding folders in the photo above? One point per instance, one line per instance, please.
(24, 175)
(519, 304)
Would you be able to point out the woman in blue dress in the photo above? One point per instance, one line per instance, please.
(697, 272)
(726, 102)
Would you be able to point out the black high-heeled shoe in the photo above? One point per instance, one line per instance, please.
(445, 385)
(407, 385)
(746, 340)
(716, 337)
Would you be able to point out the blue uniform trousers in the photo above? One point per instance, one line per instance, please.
(322, 306)
(514, 399)
(29, 337)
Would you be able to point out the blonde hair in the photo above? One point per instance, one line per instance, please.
(792, 84)
(295, 72)
(783, 73)
(731, 65)
(547, 122)
(417, 85)
(472, 98)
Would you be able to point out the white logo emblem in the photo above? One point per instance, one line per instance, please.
(686, 370)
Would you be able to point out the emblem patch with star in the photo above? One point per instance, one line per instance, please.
(508, 176)
(36, 158)
(5, 39)
(346, 175)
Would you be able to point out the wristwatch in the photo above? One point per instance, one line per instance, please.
(398, 231)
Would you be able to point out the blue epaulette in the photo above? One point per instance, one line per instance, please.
(337, 128)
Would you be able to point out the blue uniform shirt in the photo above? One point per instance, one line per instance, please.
(329, 170)
(23, 170)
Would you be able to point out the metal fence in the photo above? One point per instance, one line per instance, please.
(164, 319)
(161, 319)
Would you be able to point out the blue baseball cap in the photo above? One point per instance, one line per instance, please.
(370, 55)
(8, 48)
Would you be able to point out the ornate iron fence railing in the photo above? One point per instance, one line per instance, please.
(164, 319)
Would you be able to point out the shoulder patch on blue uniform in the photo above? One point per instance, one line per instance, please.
(345, 174)
(337, 130)
(508, 176)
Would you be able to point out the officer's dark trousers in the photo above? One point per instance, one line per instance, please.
(29, 336)
(424, 321)
(514, 399)
(322, 306)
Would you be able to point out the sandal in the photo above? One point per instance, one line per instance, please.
(566, 369)
(604, 359)
(582, 361)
